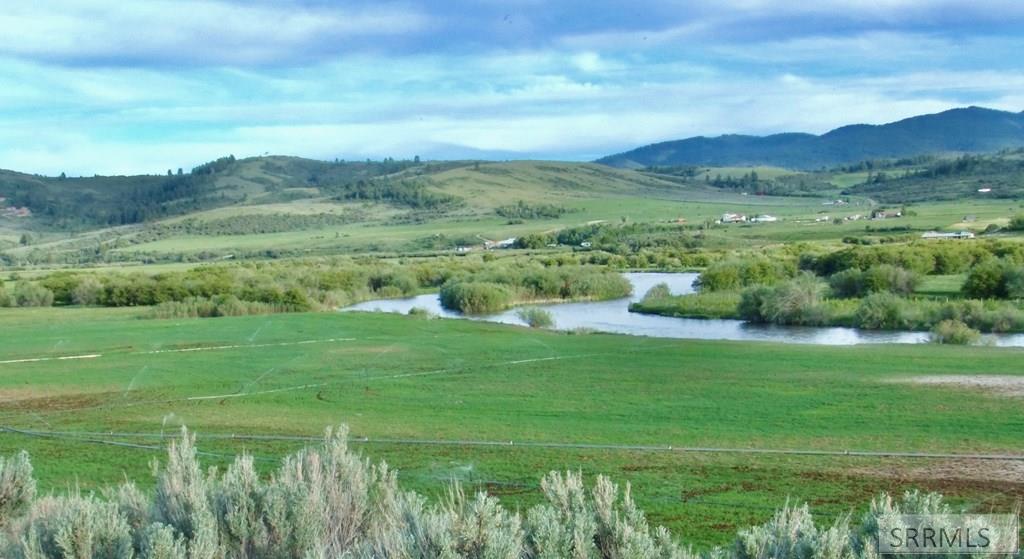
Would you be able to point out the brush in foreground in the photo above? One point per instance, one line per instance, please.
(328, 502)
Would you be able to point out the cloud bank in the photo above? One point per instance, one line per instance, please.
(101, 87)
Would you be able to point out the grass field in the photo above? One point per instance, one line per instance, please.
(395, 377)
(947, 286)
(940, 216)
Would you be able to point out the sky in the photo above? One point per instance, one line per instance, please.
(113, 87)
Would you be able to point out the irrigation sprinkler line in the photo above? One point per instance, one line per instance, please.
(60, 358)
(90, 439)
(240, 346)
(546, 445)
(172, 350)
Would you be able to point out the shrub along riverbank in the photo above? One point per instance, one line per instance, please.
(491, 291)
(807, 301)
(470, 284)
(873, 288)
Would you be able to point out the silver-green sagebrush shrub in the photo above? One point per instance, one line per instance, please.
(160, 541)
(17, 486)
(182, 499)
(73, 527)
(329, 503)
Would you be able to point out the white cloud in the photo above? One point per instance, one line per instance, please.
(587, 96)
(210, 32)
(547, 116)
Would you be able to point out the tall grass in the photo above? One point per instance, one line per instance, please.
(329, 502)
(713, 304)
(221, 305)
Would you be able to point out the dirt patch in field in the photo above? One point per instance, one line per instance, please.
(16, 394)
(37, 402)
(959, 470)
(1003, 385)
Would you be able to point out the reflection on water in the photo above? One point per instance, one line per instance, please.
(614, 316)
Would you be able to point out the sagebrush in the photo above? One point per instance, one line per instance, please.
(328, 503)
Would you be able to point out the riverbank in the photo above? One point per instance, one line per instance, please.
(716, 322)
(879, 311)
(716, 304)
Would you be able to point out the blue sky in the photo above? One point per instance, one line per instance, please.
(91, 86)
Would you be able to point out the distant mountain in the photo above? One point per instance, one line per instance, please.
(969, 130)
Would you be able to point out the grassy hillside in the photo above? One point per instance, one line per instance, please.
(284, 206)
(83, 203)
(296, 206)
(965, 178)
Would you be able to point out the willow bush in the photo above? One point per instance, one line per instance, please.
(331, 282)
(536, 317)
(954, 332)
(496, 288)
(739, 272)
(799, 301)
(883, 277)
(476, 297)
(328, 502)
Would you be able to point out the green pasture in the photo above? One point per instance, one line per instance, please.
(400, 378)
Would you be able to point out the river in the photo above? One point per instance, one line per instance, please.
(614, 316)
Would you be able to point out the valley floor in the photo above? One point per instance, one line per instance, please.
(89, 392)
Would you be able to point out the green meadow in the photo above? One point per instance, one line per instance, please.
(416, 388)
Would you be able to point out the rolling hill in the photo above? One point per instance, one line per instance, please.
(967, 130)
(277, 206)
(82, 203)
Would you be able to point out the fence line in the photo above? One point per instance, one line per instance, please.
(479, 483)
(89, 439)
(511, 444)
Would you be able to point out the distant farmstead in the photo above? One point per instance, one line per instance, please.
(14, 211)
(505, 243)
(953, 235)
(886, 214)
(733, 218)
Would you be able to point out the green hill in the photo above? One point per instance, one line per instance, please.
(281, 206)
(968, 130)
(968, 177)
(84, 203)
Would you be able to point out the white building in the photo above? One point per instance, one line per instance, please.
(507, 243)
(955, 235)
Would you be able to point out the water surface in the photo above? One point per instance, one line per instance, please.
(614, 316)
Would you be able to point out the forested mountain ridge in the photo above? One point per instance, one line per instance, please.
(966, 130)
